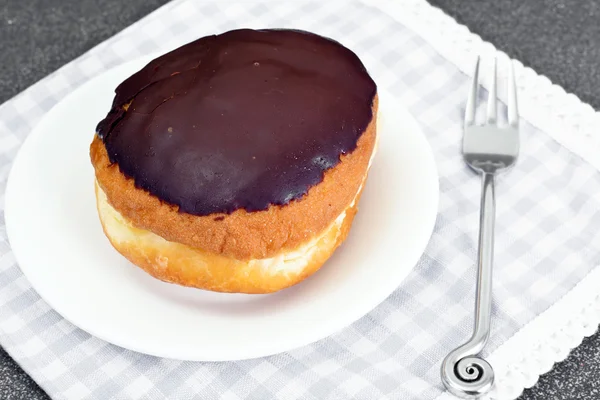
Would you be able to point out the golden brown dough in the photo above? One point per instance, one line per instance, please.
(177, 263)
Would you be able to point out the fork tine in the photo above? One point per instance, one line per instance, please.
(472, 98)
(492, 113)
(513, 112)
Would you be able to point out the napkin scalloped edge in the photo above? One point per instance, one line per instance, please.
(549, 337)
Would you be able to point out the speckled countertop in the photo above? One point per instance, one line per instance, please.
(557, 38)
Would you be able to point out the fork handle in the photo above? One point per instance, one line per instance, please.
(485, 259)
(463, 374)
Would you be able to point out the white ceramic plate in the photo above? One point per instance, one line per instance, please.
(57, 239)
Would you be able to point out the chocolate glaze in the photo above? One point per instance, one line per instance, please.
(244, 119)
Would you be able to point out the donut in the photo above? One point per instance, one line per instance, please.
(235, 163)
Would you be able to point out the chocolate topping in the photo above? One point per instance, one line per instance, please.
(244, 119)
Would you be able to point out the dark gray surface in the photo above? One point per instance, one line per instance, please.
(557, 38)
(560, 39)
(39, 36)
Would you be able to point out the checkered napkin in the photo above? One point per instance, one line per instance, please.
(546, 236)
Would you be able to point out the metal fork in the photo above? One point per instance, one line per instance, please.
(488, 149)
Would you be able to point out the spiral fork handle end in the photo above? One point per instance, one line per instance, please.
(468, 377)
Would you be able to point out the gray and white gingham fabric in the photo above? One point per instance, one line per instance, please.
(547, 236)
